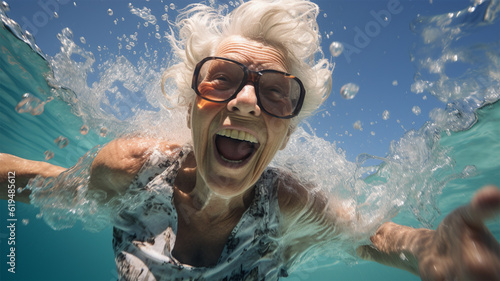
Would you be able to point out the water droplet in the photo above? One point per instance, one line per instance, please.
(61, 142)
(357, 125)
(25, 221)
(5, 6)
(104, 132)
(67, 33)
(172, 6)
(416, 110)
(48, 155)
(84, 130)
(27, 103)
(349, 91)
(395, 83)
(386, 114)
(110, 12)
(82, 39)
(336, 48)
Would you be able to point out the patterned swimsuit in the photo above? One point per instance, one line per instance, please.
(144, 235)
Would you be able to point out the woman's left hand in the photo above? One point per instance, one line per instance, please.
(461, 248)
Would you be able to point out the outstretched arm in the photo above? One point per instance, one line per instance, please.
(461, 248)
(22, 170)
(112, 170)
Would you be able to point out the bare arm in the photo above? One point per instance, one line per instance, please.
(112, 170)
(117, 164)
(22, 171)
(461, 248)
(310, 216)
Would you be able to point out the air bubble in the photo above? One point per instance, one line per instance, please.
(82, 39)
(336, 48)
(349, 91)
(110, 12)
(30, 104)
(61, 142)
(104, 132)
(25, 221)
(172, 6)
(84, 130)
(48, 155)
(395, 83)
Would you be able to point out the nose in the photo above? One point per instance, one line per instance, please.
(245, 102)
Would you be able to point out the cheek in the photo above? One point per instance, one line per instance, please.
(278, 129)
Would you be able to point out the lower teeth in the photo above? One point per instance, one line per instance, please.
(231, 161)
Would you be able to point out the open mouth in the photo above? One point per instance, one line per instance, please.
(234, 146)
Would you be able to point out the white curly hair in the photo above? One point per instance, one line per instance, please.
(288, 25)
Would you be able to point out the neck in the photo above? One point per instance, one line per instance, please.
(215, 206)
(198, 199)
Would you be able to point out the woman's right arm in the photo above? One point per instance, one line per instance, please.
(117, 164)
(19, 171)
(112, 170)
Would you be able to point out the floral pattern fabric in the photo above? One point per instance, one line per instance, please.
(144, 234)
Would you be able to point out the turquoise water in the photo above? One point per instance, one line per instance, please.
(423, 176)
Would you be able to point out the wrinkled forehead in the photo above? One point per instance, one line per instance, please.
(255, 55)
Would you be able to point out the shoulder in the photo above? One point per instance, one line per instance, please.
(293, 194)
(308, 204)
(118, 162)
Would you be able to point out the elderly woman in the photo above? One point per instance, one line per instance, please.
(212, 209)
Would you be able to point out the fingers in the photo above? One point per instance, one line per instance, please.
(484, 205)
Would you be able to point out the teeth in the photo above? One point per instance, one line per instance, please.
(239, 135)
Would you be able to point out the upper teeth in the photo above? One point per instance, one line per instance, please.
(239, 135)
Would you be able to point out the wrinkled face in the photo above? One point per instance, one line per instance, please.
(235, 141)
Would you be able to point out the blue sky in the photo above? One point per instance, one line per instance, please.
(376, 35)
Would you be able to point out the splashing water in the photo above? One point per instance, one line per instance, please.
(416, 110)
(386, 114)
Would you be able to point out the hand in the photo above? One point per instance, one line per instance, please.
(462, 247)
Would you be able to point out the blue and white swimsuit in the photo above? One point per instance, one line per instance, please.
(144, 236)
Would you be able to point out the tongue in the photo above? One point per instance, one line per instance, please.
(232, 149)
